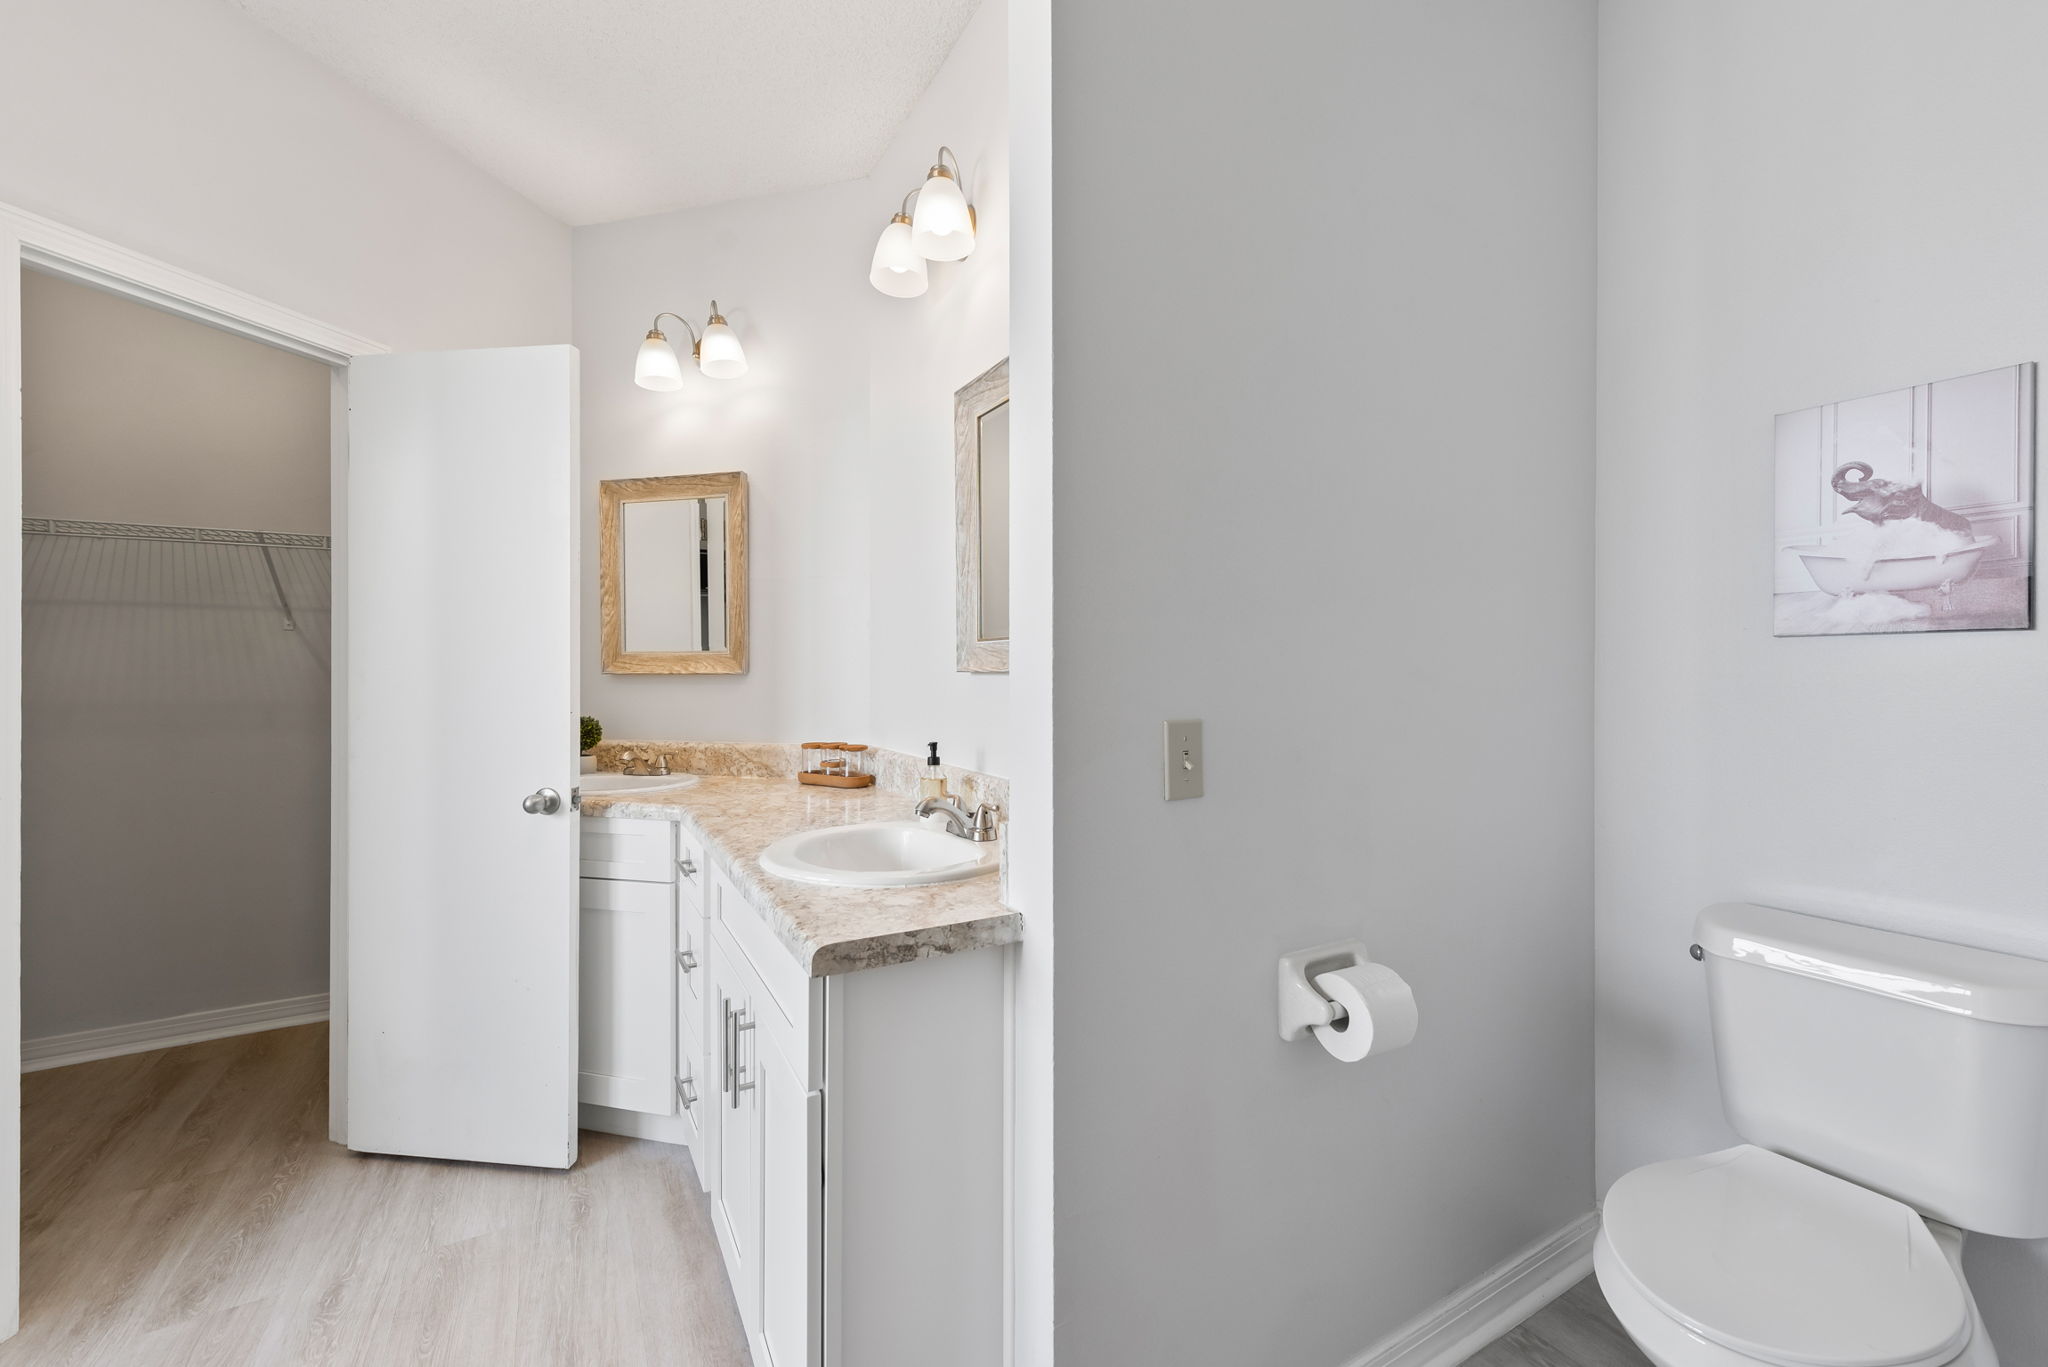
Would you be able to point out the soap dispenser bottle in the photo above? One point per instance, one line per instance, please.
(933, 784)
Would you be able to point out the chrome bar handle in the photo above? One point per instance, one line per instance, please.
(687, 867)
(686, 1092)
(686, 960)
(725, 1044)
(739, 1023)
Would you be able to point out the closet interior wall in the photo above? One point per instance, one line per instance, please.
(176, 668)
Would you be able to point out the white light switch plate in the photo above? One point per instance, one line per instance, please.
(1183, 760)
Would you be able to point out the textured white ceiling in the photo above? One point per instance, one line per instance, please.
(606, 109)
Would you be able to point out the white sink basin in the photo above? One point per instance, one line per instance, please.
(595, 784)
(878, 854)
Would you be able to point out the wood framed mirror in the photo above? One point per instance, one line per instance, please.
(672, 574)
(981, 541)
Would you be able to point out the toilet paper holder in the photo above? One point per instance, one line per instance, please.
(1302, 1007)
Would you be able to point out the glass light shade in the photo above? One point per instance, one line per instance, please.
(718, 351)
(898, 271)
(657, 367)
(941, 229)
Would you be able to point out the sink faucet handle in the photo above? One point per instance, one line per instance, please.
(986, 818)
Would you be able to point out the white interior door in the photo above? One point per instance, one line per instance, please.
(462, 687)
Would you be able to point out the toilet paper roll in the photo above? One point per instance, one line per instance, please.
(1381, 1009)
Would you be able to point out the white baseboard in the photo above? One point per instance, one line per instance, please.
(1467, 1321)
(56, 1051)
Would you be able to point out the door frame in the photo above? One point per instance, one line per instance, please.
(28, 239)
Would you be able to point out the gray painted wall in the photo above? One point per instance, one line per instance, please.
(1323, 359)
(175, 737)
(1799, 203)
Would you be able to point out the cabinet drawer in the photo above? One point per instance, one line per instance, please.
(787, 985)
(773, 1026)
(691, 969)
(692, 871)
(638, 851)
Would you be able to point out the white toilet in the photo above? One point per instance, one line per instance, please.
(1894, 1091)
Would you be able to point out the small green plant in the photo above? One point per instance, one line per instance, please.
(592, 732)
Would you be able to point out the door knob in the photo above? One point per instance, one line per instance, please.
(546, 802)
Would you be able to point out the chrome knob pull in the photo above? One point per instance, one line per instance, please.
(546, 802)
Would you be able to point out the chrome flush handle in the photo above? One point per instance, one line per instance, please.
(739, 1023)
(725, 1043)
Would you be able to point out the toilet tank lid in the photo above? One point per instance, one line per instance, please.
(1980, 983)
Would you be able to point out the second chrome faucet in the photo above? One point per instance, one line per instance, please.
(978, 825)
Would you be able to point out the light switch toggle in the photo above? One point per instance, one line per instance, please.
(1183, 760)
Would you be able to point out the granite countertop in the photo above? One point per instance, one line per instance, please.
(828, 930)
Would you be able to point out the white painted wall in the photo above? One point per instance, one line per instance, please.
(1322, 348)
(1033, 1102)
(789, 275)
(843, 424)
(1798, 204)
(924, 350)
(168, 666)
(180, 129)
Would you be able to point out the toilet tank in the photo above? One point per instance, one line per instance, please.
(1910, 1066)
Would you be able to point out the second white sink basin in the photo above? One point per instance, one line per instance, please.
(593, 784)
(878, 854)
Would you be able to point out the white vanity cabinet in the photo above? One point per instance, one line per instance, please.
(767, 1160)
(848, 1129)
(857, 1175)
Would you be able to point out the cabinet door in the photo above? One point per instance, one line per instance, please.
(792, 1214)
(736, 1145)
(697, 1078)
(626, 1047)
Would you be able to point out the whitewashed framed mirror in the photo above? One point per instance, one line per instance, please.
(672, 574)
(981, 517)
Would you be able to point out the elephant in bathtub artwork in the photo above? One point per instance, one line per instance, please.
(1884, 500)
(1942, 562)
(1859, 551)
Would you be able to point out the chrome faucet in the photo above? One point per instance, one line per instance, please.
(978, 825)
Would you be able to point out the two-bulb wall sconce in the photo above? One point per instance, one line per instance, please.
(940, 228)
(716, 351)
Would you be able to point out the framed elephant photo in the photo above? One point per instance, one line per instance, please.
(1911, 510)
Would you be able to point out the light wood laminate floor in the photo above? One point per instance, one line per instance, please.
(1575, 1330)
(184, 1208)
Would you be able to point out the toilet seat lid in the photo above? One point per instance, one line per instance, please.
(1785, 1263)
